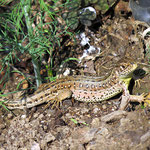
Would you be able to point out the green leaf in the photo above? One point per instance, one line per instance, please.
(1, 103)
(74, 121)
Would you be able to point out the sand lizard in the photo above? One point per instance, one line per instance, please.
(81, 88)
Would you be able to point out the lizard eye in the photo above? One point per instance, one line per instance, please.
(123, 66)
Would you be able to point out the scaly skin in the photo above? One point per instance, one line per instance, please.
(81, 88)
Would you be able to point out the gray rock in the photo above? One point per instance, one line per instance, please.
(145, 136)
(141, 11)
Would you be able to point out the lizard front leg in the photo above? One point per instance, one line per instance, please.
(126, 98)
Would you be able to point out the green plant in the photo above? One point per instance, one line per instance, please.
(3, 105)
(4, 2)
(17, 27)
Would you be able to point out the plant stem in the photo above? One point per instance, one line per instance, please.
(27, 6)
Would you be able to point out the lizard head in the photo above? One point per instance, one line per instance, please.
(126, 70)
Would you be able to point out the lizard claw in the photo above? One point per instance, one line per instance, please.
(55, 103)
(138, 98)
(147, 100)
(137, 82)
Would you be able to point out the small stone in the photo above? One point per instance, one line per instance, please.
(10, 116)
(95, 111)
(2, 126)
(35, 146)
(45, 128)
(27, 125)
(145, 136)
(13, 137)
(109, 103)
(103, 131)
(75, 146)
(68, 115)
(49, 137)
(124, 122)
(35, 115)
(66, 130)
(104, 106)
(116, 115)
(23, 116)
(41, 116)
(2, 138)
(84, 135)
(95, 123)
(27, 119)
(84, 110)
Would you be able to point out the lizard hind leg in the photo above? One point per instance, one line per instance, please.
(61, 95)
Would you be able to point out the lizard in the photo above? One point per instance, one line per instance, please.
(82, 88)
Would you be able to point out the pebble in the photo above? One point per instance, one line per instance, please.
(84, 135)
(10, 116)
(85, 110)
(27, 125)
(95, 110)
(45, 128)
(49, 137)
(145, 136)
(109, 102)
(2, 138)
(75, 146)
(68, 115)
(103, 131)
(35, 115)
(116, 115)
(104, 106)
(23, 116)
(35, 146)
(41, 116)
(2, 126)
(95, 123)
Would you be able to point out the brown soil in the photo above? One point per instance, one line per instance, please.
(88, 126)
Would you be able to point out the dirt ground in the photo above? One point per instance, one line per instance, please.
(82, 126)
